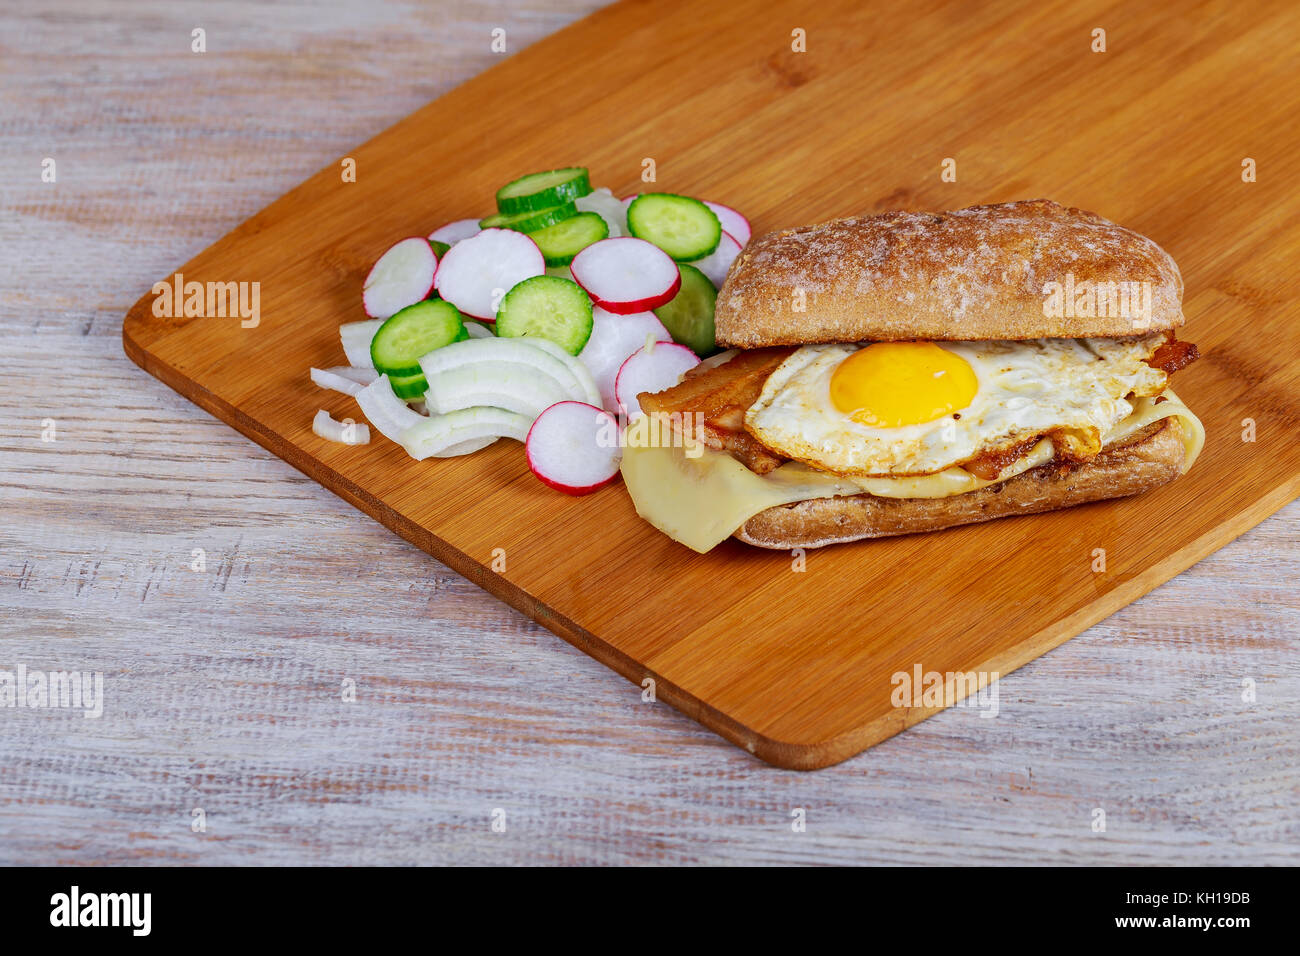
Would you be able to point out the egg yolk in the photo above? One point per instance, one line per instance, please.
(891, 384)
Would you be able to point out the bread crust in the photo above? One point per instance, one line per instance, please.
(977, 273)
(1153, 457)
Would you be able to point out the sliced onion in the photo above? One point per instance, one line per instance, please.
(581, 374)
(713, 361)
(441, 436)
(465, 447)
(356, 338)
(345, 433)
(343, 378)
(604, 204)
(517, 351)
(477, 330)
(388, 413)
(516, 388)
(362, 376)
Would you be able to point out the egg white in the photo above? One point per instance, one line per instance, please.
(1075, 389)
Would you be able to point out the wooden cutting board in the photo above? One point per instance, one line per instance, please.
(792, 658)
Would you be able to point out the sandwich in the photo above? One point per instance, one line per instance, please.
(909, 372)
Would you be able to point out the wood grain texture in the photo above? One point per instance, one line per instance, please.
(223, 686)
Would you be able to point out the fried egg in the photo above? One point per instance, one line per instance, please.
(916, 408)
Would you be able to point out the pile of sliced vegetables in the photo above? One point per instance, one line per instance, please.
(535, 323)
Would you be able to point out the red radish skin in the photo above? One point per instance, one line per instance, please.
(732, 221)
(564, 451)
(613, 339)
(639, 305)
(626, 275)
(381, 299)
(651, 371)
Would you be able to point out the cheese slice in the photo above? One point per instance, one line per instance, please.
(701, 498)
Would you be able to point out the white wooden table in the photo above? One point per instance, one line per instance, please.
(226, 737)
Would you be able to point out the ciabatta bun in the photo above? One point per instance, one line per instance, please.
(978, 273)
(1153, 457)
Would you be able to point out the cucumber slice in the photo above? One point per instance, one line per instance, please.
(564, 240)
(530, 220)
(547, 307)
(543, 190)
(415, 331)
(688, 316)
(407, 387)
(683, 227)
(439, 248)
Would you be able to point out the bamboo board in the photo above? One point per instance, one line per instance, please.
(797, 665)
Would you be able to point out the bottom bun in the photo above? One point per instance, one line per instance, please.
(1153, 457)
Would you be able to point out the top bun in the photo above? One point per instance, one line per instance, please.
(1020, 270)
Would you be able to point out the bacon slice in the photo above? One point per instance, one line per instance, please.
(1173, 355)
(990, 464)
(721, 396)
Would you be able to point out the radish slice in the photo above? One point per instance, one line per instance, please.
(344, 379)
(613, 339)
(716, 263)
(476, 331)
(574, 447)
(402, 276)
(454, 232)
(732, 221)
(345, 433)
(626, 275)
(651, 368)
(603, 204)
(477, 272)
